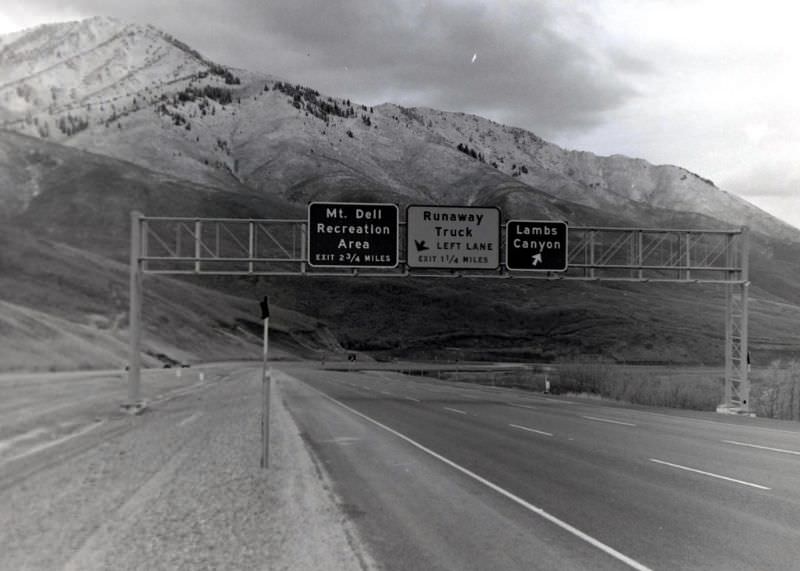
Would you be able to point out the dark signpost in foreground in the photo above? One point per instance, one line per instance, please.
(348, 234)
(536, 245)
(266, 386)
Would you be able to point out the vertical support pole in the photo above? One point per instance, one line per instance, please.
(688, 247)
(266, 387)
(216, 249)
(591, 252)
(728, 394)
(143, 238)
(251, 245)
(640, 254)
(730, 261)
(303, 248)
(135, 319)
(294, 241)
(745, 289)
(198, 228)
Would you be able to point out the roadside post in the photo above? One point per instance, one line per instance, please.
(134, 404)
(266, 387)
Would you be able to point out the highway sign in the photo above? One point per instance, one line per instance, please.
(453, 237)
(348, 234)
(536, 245)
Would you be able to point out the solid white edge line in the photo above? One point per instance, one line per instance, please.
(608, 550)
(46, 445)
(771, 449)
(711, 474)
(455, 410)
(542, 432)
(598, 419)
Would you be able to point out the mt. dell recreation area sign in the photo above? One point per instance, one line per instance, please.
(365, 235)
(353, 235)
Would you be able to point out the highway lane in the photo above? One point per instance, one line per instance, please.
(669, 491)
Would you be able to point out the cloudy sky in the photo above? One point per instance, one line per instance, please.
(710, 85)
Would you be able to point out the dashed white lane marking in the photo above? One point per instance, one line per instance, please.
(710, 474)
(189, 419)
(551, 399)
(503, 492)
(455, 410)
(343, 440)
(385, 393)
(542, 432)
(771, 449)
(610, 421)
(62, 440)
(30, 435)
(412, 399)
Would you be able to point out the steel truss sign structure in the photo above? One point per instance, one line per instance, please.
(265, 247)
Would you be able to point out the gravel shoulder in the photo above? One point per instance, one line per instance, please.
(181, 487)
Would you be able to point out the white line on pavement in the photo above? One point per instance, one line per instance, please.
(781, 450)
(502, 491)
(542, 432)
(411, 399)
(189, 419)
(598, 419)
(551, 399)
(455, 410)
(711, 474)
(46, 445)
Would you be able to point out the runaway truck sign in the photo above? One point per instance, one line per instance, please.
(536, 245)
(353, 235)
(453, 237)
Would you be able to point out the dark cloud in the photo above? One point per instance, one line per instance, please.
(531, 70)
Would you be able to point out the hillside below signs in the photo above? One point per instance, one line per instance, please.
(346, 234)
(453, 237)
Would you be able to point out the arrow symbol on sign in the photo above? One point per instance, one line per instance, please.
(421, 247)
(537, 259)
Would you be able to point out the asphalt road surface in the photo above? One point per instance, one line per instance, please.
(442, 475)
(84, 487)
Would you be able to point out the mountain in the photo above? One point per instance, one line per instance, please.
(99, 117)
(136, 93)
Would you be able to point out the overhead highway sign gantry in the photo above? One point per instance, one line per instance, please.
(271, 247)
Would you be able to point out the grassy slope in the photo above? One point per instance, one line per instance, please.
(537, 320)
(85, 200)
(64, 306)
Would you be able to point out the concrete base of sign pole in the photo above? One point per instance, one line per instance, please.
(134, 409)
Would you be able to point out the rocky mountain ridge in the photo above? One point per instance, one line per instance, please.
(135, 93)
